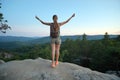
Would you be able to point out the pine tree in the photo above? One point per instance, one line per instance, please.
(106, 36)
(84, 37)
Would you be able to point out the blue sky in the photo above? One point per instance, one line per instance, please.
(92, 16)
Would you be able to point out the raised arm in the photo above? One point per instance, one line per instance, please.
(46, 23)
(62, 23)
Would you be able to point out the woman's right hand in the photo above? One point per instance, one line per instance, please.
(73, 15)
(37, 18)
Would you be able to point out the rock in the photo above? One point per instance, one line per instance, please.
(113, 72)
(1, 62)
(40, 69)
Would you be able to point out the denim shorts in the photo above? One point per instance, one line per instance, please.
(56, 40)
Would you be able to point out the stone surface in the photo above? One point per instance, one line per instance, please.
(1, 62)
(40, 69)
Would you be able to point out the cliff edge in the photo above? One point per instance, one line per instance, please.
(40, 69)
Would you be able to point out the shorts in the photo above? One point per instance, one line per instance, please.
(55, 40)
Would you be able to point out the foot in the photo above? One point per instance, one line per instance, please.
(56, 63)
(53, 65)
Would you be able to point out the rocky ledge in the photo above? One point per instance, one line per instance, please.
(40, 69)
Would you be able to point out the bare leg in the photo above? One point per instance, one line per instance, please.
(57, 48)
(53, 55)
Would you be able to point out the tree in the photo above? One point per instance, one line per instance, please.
(1, 15)
(85, 45)
(106, 36)
(118, 38)
(106, 40)
(84, 37)
(3, 23)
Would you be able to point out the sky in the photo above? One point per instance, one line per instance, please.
(92, 17)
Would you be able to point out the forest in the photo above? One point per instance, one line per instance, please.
(101, 55)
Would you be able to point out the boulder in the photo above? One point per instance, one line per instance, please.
(1, 62)
(40, 69)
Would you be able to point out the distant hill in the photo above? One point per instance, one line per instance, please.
(15, 38)
(89, 37)
(12, 45)
(46, 39)
(15, 42)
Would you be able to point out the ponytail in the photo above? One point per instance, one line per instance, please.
(56, 26)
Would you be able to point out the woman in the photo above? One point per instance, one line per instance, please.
(55, 36)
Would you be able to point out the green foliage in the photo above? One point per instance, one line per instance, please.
(84, 37)
(3, 25)
(1, 14)
(101, 55)
(118, 38)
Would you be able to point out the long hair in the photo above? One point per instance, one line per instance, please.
(56, 26)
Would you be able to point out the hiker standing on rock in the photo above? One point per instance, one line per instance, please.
(55, 36)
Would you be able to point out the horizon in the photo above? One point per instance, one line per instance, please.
(61, 35)
(92, 17)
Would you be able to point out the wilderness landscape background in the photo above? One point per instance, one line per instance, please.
(100, 52)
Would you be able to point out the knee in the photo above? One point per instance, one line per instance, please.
(57, 50)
